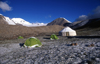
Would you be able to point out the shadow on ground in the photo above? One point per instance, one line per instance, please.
(46, 38)
(83, 36)
(21, 44)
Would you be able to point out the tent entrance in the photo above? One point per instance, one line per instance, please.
(67, 33)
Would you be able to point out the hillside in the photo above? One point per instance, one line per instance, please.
(59, 21)
(91, 23)
(2, 21)
(88, 31)
(89, 27)
(13, 31)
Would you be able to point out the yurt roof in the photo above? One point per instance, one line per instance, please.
(67, 29)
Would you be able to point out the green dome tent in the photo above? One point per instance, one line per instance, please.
(20, 37)
(53, 36)
(32, 42)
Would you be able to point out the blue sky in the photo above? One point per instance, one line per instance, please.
(45, 11)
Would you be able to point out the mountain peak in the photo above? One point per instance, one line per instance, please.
(59, 21)
(9, 21)
(65, 19)
(20, 21)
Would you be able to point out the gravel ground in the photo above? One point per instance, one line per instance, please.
(52, 52)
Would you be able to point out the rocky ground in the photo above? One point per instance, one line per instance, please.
(62, 51)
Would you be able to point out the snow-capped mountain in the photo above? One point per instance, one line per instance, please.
(26, 23)
(66, 19)
(39, 24)
(9, 21)
(20, 21)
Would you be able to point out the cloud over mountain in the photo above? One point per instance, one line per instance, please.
(82, 17)
(95, 14)
(4, 6)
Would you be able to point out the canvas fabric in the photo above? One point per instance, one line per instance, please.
(33, 42)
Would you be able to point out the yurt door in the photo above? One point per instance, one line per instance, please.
(67, 33)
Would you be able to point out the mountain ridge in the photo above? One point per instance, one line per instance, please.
(18, 21)
(2, 21)
(91, 23)
(59, 21)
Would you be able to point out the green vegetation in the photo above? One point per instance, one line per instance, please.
(20, 37)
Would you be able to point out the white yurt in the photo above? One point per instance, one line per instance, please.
(67, 31)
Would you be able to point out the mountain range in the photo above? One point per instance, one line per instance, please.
(59, 21)
(91, 23)
(12, 28)
(18, 21)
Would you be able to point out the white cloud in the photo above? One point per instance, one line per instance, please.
(96, 14)
(4, 6)
(82, 17)
(97, 10)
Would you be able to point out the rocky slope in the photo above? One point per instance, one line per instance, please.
(13, 31)
(2, 21)
(86, 23)
(59, 21)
